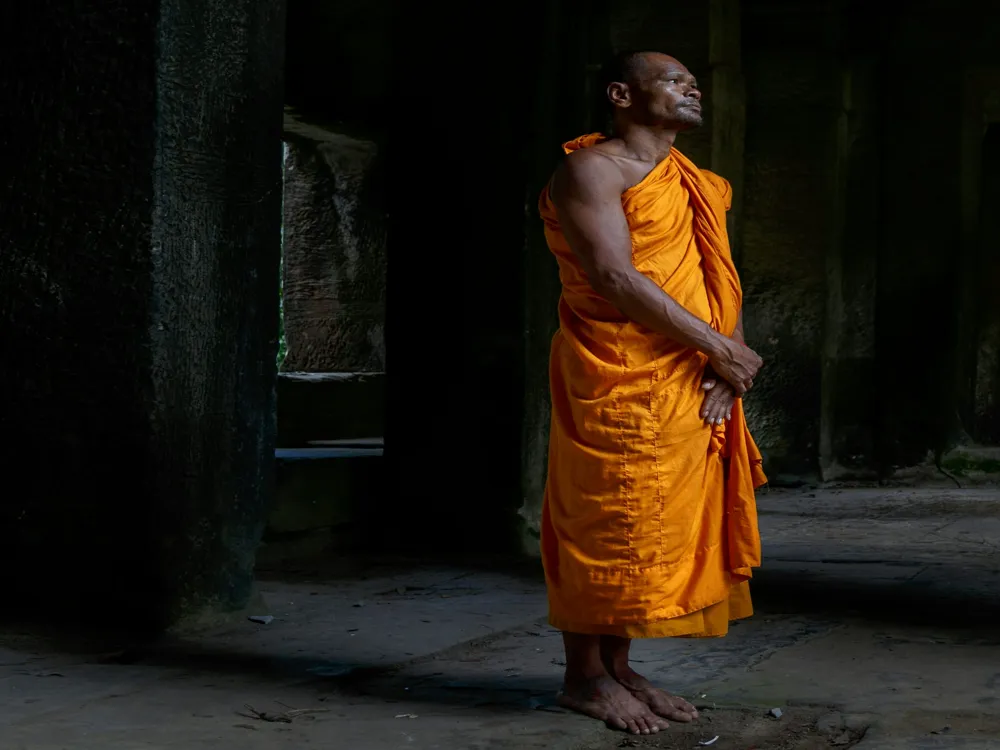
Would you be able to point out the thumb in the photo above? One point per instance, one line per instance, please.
(708, 384)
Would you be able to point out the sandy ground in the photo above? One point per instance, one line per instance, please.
(876, 629)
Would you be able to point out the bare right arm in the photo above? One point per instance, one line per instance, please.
(586, 190)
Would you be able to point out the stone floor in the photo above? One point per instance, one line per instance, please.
(876, 628)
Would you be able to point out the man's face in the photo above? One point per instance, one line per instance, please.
(664, 94)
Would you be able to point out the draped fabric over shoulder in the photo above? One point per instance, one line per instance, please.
(650, 525)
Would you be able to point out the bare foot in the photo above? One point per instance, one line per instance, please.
(663, 703)
(605, 699)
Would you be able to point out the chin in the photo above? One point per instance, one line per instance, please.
(690, 122)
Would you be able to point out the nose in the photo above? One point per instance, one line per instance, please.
(694, 94)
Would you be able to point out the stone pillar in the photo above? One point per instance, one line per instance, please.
(141, 231)
(728, 106)
(985, 421)
(793, 101)
(921, 246)
(978, 320)
(848, 405)
(334, 252)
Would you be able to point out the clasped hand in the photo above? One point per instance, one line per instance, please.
(720, 394)
(720, 397)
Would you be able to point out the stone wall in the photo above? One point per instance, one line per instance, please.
(140, 223)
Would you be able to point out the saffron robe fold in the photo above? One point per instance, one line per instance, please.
(649, 526)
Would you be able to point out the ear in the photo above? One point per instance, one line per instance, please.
(619, 94)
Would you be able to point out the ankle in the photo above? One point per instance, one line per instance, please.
(583, 658)
(588, 672)
(618, 668)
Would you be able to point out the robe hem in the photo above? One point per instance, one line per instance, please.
(707, 622)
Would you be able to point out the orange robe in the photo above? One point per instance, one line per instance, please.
(649, 525)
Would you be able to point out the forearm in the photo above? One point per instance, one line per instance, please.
(738, 332)
(641, 300)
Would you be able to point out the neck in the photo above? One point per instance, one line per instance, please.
(647, 143)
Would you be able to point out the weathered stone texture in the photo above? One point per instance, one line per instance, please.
(140, 234)
(335, 256)
(791, 99)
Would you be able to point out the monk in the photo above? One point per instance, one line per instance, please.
(649, 525)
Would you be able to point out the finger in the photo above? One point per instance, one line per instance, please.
(707, 404)
(710, 411)
(720, 412)
(716, 412)
(727, 407)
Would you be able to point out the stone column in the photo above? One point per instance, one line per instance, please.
(728, 106)
(141, 232)
(977, 324)
(334, 252)
(919, 262)
(985, 420)
(847, 421)
(790, 61)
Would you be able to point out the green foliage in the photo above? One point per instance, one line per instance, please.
(963, 465)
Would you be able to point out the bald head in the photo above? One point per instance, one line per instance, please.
(628, 67)
(651, 88)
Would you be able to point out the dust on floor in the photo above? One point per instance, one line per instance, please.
(746, 729)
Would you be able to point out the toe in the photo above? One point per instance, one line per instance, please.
(685, 706)
(675, 708)
(685, 709)
(645, 718)
(633, 726)
(617, 722)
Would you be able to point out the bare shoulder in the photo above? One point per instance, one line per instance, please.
(588, 174)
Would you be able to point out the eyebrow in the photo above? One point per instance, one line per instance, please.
(679, 74)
